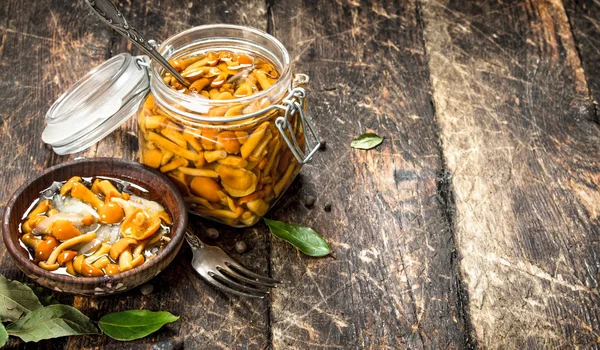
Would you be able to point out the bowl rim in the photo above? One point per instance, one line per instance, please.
(25, 263)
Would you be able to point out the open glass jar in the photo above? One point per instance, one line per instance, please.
(231, 158)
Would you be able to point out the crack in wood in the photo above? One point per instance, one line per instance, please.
(446, 193)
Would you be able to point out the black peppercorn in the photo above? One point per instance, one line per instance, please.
(212, 233)
(309, 202)
(241, 247)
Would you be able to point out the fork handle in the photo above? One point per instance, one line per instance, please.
(109, 13)
(193, 240)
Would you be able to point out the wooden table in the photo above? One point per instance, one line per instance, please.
(475, 224)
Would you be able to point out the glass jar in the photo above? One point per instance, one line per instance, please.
(231, 159)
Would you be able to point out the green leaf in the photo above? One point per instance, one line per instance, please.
(42, 294)
(304, 238)
(134, 324)
(366, 141)
(16, 299)
(3, 335)
(52, 321)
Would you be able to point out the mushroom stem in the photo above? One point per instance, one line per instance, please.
(88, 237)
(104, 249)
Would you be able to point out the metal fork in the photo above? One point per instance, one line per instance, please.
(220, 271)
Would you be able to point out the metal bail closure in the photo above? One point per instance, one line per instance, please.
(294, 104)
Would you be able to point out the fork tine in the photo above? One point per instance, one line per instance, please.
(217, 284)
(229, 271)
(241, 269)
(233, 284)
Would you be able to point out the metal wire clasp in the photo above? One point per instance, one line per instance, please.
(292, 104)
(142, 62)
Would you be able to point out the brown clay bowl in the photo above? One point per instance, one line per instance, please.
(160, 188)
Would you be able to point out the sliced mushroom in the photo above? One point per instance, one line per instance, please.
(64, 230)
(112, 269)
(103, 250)
(110, 212)
(48, 267)
(258, 206)
(236, 181)
(70, 269)
(77, 263)
(66, 256)
(31, 241)
(69, 243)
(140, 225)
(205, 187)
(211, 156)
(79, 191)
(284, 180)
(127, 262)
(44, 250)
(101, 263)
(40, 209)
(88, 270)
(119, 247)
(228, 141)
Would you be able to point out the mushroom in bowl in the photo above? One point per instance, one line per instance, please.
(95, 226)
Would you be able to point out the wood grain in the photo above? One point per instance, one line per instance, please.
(518, 137)
(43, 49)
(584, 17)
(392, 283)
(475, 223)
(45, 57)
(209, 319)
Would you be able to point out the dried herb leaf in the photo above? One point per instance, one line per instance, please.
(366, 141)
(52, 321)
(304, 238)
(134, 324)
(3, 335)
(16, 299)
(44, 297)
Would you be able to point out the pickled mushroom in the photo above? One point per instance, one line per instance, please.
(140, 224)
(223, 169)
(45, 225)
(237, 182)
(206, 188)
(63, 230)
(85, 231)
(110, 213)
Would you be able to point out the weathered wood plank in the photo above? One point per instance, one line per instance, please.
(584, 17)
(44, 47)
(392, 281)
(209, 319)
(517, 133)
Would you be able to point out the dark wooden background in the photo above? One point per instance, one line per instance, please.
(474, 225)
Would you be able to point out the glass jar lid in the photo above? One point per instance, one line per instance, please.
(97, 104)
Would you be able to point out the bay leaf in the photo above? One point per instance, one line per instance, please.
(16, 299)
(366, 141)
(51, 321)
(3, 335)
(307, 240)
(43, 294)
(134, 324)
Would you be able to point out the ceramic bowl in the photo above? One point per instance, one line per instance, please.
(160, 189)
